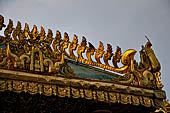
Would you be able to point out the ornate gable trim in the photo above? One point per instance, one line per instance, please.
(37, 52)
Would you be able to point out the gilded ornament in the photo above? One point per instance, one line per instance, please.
(47, 44)
(63, 92)
(99, 53)
(17, 86)
(42, 35)
(75, 93)
(48, 90)
(9, 85)
(107, 55)
(112, 97)
(17, 31)
(152, 58)
(147, 101)
(94, 95)
(125, 99)
(81, 49)
(64, 44)
(26, 30)
(56, 42)
(49, 62)
(116, 57)
(81, 93)
(89, 53)
(100, 96)
(24, 58)
(73, 47)
(32, 88)
(135, 100)
(145, 71)
(36, 60)
(34, 34)
(32, 51)
(3, 85)
(9, 29)
(88, 94)
(2, 22)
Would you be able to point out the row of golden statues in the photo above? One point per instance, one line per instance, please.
(25, 39)
(41, 50)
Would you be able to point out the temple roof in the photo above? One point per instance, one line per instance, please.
(34, 62)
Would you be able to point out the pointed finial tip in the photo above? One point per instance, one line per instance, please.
(147, 38)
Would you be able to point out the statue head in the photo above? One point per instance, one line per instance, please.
(50, 33)
(66, 37)
(10, 26)
(42, 31)
(2, 22)
(101, 47)
(58, 35)
(84, 42)
(18, 25)
(26, 27)
(75, 39)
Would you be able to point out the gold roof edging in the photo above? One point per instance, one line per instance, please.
(31, 50)
(78, 92)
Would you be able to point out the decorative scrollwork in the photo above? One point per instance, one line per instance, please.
(36, 46)
(26, 30)
(99, 52)
(2, 22)
(73, 47)
(81, 49)
(89, 53)
(9, 29)
(17, 31)
(116, 57)
(42, 35)
(56, 43)
(64, 44)
(107, 55)
(146, 72)
(25, 42)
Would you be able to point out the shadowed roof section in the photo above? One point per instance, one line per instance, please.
(89, 72)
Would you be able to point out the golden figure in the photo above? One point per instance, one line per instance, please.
(17, 31)
(108, 54)
(142, 77)
(99, 52)
(151, 55)
(116, 57)
(22, 38)
(2, 22)
(26, 30)
(73, 46)
(81, 48)
(64, 44)
(90, 51)
(56, 42)
(34, 33)
(47, 43)
(42, 35)
(148, 70)
(9, 29)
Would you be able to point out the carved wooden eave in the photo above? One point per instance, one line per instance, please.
(18, 81)
(33, 62)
